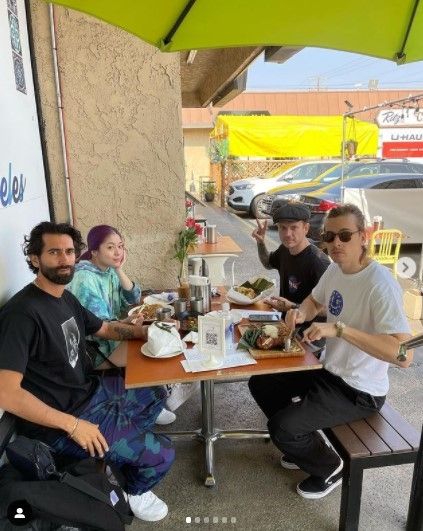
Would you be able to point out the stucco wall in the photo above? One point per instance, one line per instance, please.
(122, 101)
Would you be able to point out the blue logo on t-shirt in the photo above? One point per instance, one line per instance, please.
(336, 303)
(293, 284)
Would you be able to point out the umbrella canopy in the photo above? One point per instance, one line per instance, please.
(389, 29)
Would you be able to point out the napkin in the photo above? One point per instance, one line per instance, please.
(164, 296)
(192, 337)
(163, 339)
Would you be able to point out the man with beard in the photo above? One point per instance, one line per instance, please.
(47, 382)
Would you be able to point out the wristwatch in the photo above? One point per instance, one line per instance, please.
(340, 326)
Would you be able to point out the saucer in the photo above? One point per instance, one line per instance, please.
(146, 352)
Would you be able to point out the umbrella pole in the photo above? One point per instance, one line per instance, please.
(344, 127)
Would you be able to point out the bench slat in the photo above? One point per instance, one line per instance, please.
(350, 442)
(388, 434)
(369, 437)
(404, 428)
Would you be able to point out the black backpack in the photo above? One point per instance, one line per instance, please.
(78, 496)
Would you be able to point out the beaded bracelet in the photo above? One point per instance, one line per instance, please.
(74, 428)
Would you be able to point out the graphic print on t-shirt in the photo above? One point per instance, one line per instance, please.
(71, 333)
(336, 303)
(293, 284)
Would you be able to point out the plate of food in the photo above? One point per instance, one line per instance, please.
(149, 311)
(251, 291)
(146, 352)
(269, 341)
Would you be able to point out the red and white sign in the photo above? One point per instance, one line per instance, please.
(400, 143)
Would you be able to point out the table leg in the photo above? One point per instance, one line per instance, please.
(209, 434)
(207, 430)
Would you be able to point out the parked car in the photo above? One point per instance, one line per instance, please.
(351, 169)
(246, 193)
(396, 196)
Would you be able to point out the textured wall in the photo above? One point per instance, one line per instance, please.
(121, 100)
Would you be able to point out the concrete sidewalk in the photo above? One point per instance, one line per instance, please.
(252, 489)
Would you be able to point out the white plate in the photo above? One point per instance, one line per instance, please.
(238, 302)
(162, 304)
(236, 315)
(146, 352)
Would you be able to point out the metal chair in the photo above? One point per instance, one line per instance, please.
(385, 246)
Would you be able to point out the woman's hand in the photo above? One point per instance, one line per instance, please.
(318, 331)
(90, 438)
(124, 257)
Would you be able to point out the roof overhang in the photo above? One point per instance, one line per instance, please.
(215, 76)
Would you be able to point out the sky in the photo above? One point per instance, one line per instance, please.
(313, 68)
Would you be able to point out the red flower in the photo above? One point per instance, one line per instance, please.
(198, 229)
(188, 203)
(190, 222)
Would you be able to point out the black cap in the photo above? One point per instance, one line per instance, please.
(291, 212)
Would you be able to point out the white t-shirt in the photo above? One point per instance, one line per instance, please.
(371, 301)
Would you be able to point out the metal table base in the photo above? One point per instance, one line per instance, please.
(208, 434)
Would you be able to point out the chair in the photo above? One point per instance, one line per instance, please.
(216, 270)
(385, 247)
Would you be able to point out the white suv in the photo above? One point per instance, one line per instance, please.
(246, 193)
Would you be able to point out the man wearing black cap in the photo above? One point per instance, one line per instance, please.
(299, 262)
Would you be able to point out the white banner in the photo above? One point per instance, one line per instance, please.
(23, 195)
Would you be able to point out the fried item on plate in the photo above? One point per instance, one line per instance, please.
(248, 292)
(149, 311)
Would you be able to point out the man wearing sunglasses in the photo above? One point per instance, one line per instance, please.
(365, 326)
(299, 262)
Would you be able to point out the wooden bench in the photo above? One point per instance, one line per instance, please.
(383, 439)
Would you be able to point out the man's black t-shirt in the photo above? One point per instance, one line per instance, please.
(298, 273)
(43, 338)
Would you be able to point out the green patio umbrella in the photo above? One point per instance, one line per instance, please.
(389, 29)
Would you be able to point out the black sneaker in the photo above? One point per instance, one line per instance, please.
(315, 487)
(287, 463)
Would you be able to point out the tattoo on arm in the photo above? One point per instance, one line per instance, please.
(263, 255)
(122, 331)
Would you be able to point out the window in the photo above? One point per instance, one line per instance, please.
(396, 184)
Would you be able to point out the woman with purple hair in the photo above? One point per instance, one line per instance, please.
(101, 286)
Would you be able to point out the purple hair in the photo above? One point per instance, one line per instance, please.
(96, 237)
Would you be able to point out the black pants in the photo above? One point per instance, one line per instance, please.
(324, 400)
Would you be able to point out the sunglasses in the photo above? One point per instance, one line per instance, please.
(343, 235)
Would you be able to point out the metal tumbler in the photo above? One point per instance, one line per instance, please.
(211, 234)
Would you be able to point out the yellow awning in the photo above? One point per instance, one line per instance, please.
(293, 136)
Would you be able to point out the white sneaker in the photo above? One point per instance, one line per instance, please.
(165, 417)
(148, 506)
(179, 393)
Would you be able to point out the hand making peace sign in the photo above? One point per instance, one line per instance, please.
(260, 232)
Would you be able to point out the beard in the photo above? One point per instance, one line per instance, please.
(53, 274)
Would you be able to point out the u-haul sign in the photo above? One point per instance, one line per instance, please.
(400, 133)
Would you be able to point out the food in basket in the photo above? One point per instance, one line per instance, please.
(267, 337)
(248, 292)
(252, 289)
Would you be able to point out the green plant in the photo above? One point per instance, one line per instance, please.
(210, 188)
(218, 150)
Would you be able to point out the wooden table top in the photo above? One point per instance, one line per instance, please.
(224, 245)
(143, 372)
